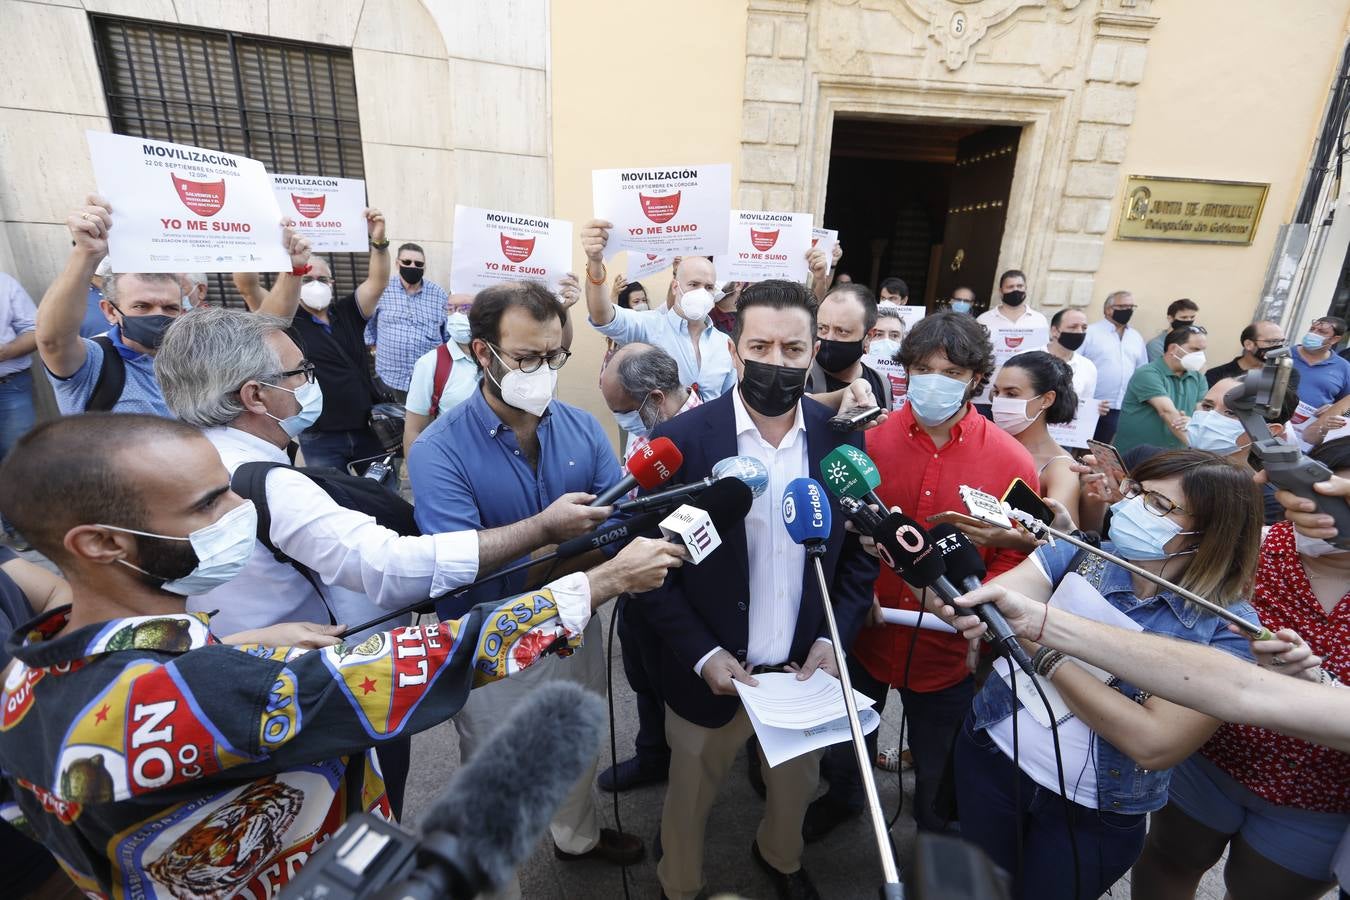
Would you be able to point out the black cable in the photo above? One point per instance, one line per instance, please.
(1017, 771)
(613, 739)
(900, 747)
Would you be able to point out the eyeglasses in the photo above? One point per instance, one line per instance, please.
(527, 364)
(325, 279)
(416, 264)
(1159, 504)
(306, 369)
(1192, 329)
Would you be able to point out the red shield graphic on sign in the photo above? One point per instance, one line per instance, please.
(814, 241)
(517, 249)
(1012, 343)
(764, 240)
(660, 209)
(309, 207)
(651, 257)
(205, 198)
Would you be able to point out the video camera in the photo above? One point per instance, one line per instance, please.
(372, 858)
(1257, 401)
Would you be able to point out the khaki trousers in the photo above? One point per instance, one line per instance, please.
(699, 761)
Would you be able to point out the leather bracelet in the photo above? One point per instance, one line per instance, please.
(604, 274)
(301, 270)
(1047, 664)
(1038, 656)
(1054, 665)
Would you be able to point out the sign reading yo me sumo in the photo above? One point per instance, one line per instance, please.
(664, 211)
(493, 246)
(331, 212)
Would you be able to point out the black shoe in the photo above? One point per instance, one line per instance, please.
(796, 886)
(752, 768)
(823, 816)
(615, 847)
(629, 774)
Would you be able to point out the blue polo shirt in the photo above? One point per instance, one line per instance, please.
(468, 471)
(140, 394)
(1324, 382)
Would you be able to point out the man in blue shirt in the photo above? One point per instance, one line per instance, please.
(503, 455)
(1324, 376)
(409, 321)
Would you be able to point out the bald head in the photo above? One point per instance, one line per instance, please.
(459, 303)
(695, 272)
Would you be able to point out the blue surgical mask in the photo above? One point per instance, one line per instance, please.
(936, 398)
(884, 348)
(311, 407)
(1138, 534)
(961, 306)
(1313, 341)
(1211, 430)
(457, 327)
(631, 422)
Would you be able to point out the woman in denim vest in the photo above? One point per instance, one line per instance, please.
(1190, 517)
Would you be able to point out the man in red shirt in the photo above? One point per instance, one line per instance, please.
(925, 452)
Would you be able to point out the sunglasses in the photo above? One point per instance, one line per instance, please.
(416, 264)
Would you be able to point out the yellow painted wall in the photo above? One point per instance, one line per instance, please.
(1233, 90)
(637, 83)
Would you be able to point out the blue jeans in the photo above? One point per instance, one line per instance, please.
(1108, 843)
(16, 413)
(931, 720)
(335, 449)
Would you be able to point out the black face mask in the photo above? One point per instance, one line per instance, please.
(772, 390)
(1122, 316)
(411, 274)
(1071, 340)
(1015, 298)
(1174, 324)
(836, 356)
(148, 331)
(1261, 352)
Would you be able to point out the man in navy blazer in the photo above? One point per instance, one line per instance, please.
(753, 604)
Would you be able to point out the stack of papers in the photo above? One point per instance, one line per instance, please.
(793, 717)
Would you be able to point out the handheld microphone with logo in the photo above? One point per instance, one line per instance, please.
(745, 468)
(488, 820)
(849, 472)
(966, 570)
(698, 527)
(649, 467)
(807, 517)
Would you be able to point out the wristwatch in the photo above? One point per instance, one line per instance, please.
(380, 245)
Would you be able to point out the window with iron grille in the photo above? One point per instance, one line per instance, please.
(288, 104)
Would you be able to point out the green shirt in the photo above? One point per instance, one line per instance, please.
(1140, 422)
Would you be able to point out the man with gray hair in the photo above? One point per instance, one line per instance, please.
(1117, 350)
(240, 377)
(195, 288)
(641, 386)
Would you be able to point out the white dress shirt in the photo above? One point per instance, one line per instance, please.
(366, 568)
(1084, 374)
(713, 371)
(1116, 357)
(776, 561)
(995, 320)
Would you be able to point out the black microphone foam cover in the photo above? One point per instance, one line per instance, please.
(624, 530)
(499, 804)
(959, 555)
(726, 502)
(906, 547)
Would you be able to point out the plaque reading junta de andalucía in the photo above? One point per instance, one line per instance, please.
(1191, 210)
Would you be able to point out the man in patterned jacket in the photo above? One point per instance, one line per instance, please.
(154, 761)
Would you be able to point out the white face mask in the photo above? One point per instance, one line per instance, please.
(1010, 413)
(529, 392)
(1310, 546)
(223, 549)
(696, 304)
(457, 326)
(1193, 361)
(316, 295)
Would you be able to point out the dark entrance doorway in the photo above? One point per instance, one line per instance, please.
(920, 200)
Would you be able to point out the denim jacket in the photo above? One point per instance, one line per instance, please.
(1123, 786)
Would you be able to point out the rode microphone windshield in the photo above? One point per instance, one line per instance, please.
(651, 466)
(620, 532)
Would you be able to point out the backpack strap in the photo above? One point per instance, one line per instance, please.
(250, 482)
(444, 363)
(112, 378)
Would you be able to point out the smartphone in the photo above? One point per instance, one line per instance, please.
(955, 518)
(854, 419)
(1109, 463)
(1019, 495)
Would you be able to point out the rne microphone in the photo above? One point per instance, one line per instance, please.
(651, 466)
(849, 472)
(965, 568)
(744, 468)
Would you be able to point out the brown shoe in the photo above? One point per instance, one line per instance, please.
(614, 847)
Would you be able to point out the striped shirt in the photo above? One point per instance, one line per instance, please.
(404, 327)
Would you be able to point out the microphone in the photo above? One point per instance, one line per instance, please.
(699, 528)
(864, 518)
(849, 472)
(806, 515)
(492, 815)
(745, 468)
(649, 467)
(966, 568)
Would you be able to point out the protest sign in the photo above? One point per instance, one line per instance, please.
(763, 245)
(1076, 434)
(492, 247)
(177, 208)
(1010, 340)
(824, 239)
(893, 372)
(331, 212)
(668, 211)
(640, 265)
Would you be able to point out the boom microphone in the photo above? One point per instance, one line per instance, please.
(743, 468)
(966, 568)
(649, 467)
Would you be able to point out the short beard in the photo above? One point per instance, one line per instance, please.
(164, 560)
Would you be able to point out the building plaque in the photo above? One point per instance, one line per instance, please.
(1194, 211)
